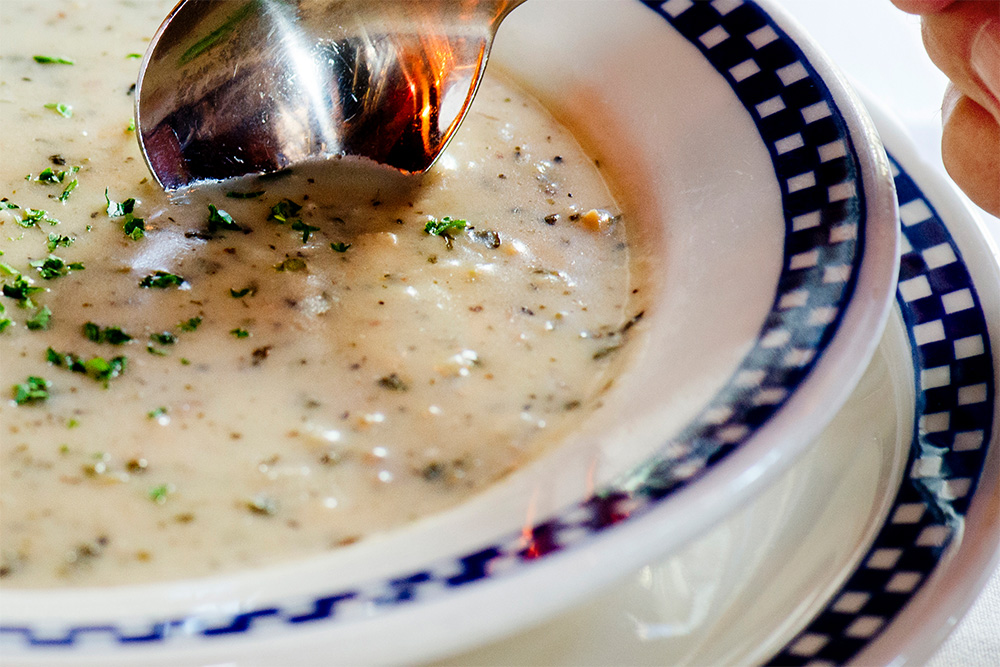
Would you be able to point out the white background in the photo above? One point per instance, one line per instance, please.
(880, 49)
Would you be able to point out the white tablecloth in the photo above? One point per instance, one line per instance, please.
(880, 48)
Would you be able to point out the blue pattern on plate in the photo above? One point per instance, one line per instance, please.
(953, 368)
(822, 198)
(817, 169)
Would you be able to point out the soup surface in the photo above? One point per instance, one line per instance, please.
(271, 368)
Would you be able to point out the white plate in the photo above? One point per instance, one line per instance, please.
(871, 546)
(771, 229)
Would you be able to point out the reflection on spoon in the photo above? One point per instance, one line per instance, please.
(238, 87)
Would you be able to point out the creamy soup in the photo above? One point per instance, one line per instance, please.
(276, 367)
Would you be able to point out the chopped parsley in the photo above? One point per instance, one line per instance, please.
(53, 60)
(158, 494)
(40, 320)
(133, 55)
(240, 293)
(218, 219)
(306, 229)
(163, 338)
(111, 335)
(118, 209)
(30, 217)
(445, 226)
(340, 247)
(131, 125)
(158, 412)
(4, 321)
(32, 390)
(21, 291)
(68, 190)
(55, 240)
(284, 210)
(190, 325)
(134, 228)
(240, 333)
(98, 368)
(161, 280)
(64, 110)
(50, 175)
(53, 267)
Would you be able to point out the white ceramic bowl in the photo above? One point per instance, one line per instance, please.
(769, 225)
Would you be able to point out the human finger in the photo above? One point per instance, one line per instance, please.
(970, 149)
(922, 6)
(963, 40)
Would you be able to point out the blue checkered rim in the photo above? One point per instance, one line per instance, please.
(818, 170)
(955, 400)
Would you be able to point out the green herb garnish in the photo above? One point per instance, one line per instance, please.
(98, 368)
(118, 209)
(340, 247)
(30, 217)
(245, 195)
(112, 335)
(306, 229)
(157, 412)
(53, 60)
(161, 280)
(445, 226)
(240, 333)
(220, 220)
(64, 110)
(163, 338)
(21, 291)
(50, 175)
(68, 190)
(284, 210)
(53, 267)
(40, 320)
(240, 293)
(32, 390)
(134, 228)
(190, 325)
(55, 240)
(158, 494)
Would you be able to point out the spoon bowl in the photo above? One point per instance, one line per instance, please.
(232, 88)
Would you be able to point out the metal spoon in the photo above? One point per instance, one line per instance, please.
(238, 87)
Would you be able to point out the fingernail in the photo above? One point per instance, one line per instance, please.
(985, 56)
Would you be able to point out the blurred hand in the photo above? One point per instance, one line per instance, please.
(962, 37)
